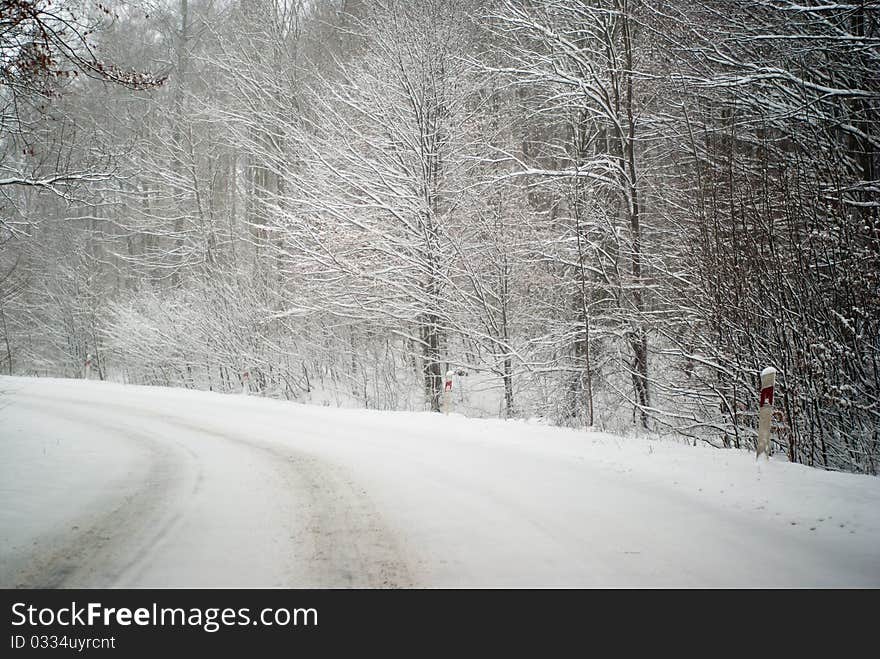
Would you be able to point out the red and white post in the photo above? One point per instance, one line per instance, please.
(765, 411)
(245, 383)
(87, 368)
(447, 392)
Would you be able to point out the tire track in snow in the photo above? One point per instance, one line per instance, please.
(340, 540)
(338, 537)
(97, 549)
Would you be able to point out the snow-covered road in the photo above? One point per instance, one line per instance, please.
(114, 486)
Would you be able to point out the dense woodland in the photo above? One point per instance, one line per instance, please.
(607, 213)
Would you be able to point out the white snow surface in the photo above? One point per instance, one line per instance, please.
(107, 485)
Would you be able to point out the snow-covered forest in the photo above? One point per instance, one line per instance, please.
(604, 213)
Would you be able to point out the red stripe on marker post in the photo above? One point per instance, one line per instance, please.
(768, 379)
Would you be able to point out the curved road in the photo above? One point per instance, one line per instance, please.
(111, 486)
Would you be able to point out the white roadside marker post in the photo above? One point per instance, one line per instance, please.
(447, 392)
(765, 411)
(88, 367)
(245, 378)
